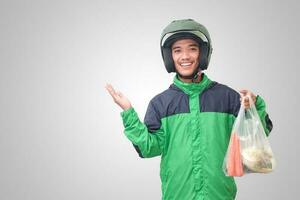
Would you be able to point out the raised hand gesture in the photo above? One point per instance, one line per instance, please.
(118, 97)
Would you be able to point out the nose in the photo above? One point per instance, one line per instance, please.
(185, 55)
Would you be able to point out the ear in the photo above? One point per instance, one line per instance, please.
(203, 59)
(168, 59)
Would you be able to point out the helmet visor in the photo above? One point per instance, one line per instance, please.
(196, 33)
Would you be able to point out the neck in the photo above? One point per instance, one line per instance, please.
(197, 80)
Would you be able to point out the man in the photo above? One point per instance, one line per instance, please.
(189, 124)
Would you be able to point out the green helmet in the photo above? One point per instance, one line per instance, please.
(185, 29)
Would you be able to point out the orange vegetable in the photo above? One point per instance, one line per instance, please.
(234, 161)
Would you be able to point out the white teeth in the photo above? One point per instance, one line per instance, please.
(185, 64)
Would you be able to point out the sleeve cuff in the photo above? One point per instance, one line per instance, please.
(128, 116)
(259, 103)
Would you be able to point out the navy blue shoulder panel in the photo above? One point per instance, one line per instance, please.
(170, 102)
(220, 98)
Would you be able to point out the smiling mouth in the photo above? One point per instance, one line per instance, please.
(187, 64)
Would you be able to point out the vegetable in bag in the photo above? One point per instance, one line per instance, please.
(249, 150)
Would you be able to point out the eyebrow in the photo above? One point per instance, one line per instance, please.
(190, 45)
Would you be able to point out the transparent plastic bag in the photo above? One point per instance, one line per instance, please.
(249, 150)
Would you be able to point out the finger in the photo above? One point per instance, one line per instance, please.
(242, 93)
(244, 98)
(253, 96)
(246, 104)
(109, 87)
(111, 91)
(120, 94)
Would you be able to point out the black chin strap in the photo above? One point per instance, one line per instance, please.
(195, 77)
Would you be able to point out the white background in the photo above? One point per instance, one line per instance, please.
(61, 135)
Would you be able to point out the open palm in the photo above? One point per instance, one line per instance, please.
(118, 97)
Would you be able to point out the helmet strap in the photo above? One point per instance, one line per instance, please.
(193, 77)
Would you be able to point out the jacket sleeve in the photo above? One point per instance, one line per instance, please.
(148, 137)
(264, 117)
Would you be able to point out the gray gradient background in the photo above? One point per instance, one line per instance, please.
(61, 136)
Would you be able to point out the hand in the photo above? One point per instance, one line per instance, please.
(118, 97)
(245, 94)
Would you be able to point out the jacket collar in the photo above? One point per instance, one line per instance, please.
(192, 88)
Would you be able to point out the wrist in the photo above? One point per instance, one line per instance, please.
(126, 107)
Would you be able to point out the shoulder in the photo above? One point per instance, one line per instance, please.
(157, 109)
(220, 98)
(170, 101)
(222, 90)
(167, 96)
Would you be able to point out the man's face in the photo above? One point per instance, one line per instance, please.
(185, 53)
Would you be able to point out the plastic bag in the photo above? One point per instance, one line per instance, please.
(249, 150)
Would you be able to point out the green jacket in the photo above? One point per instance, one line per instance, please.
(189, 126)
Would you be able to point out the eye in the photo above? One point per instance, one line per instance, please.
(194, 49)
(176, 51)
